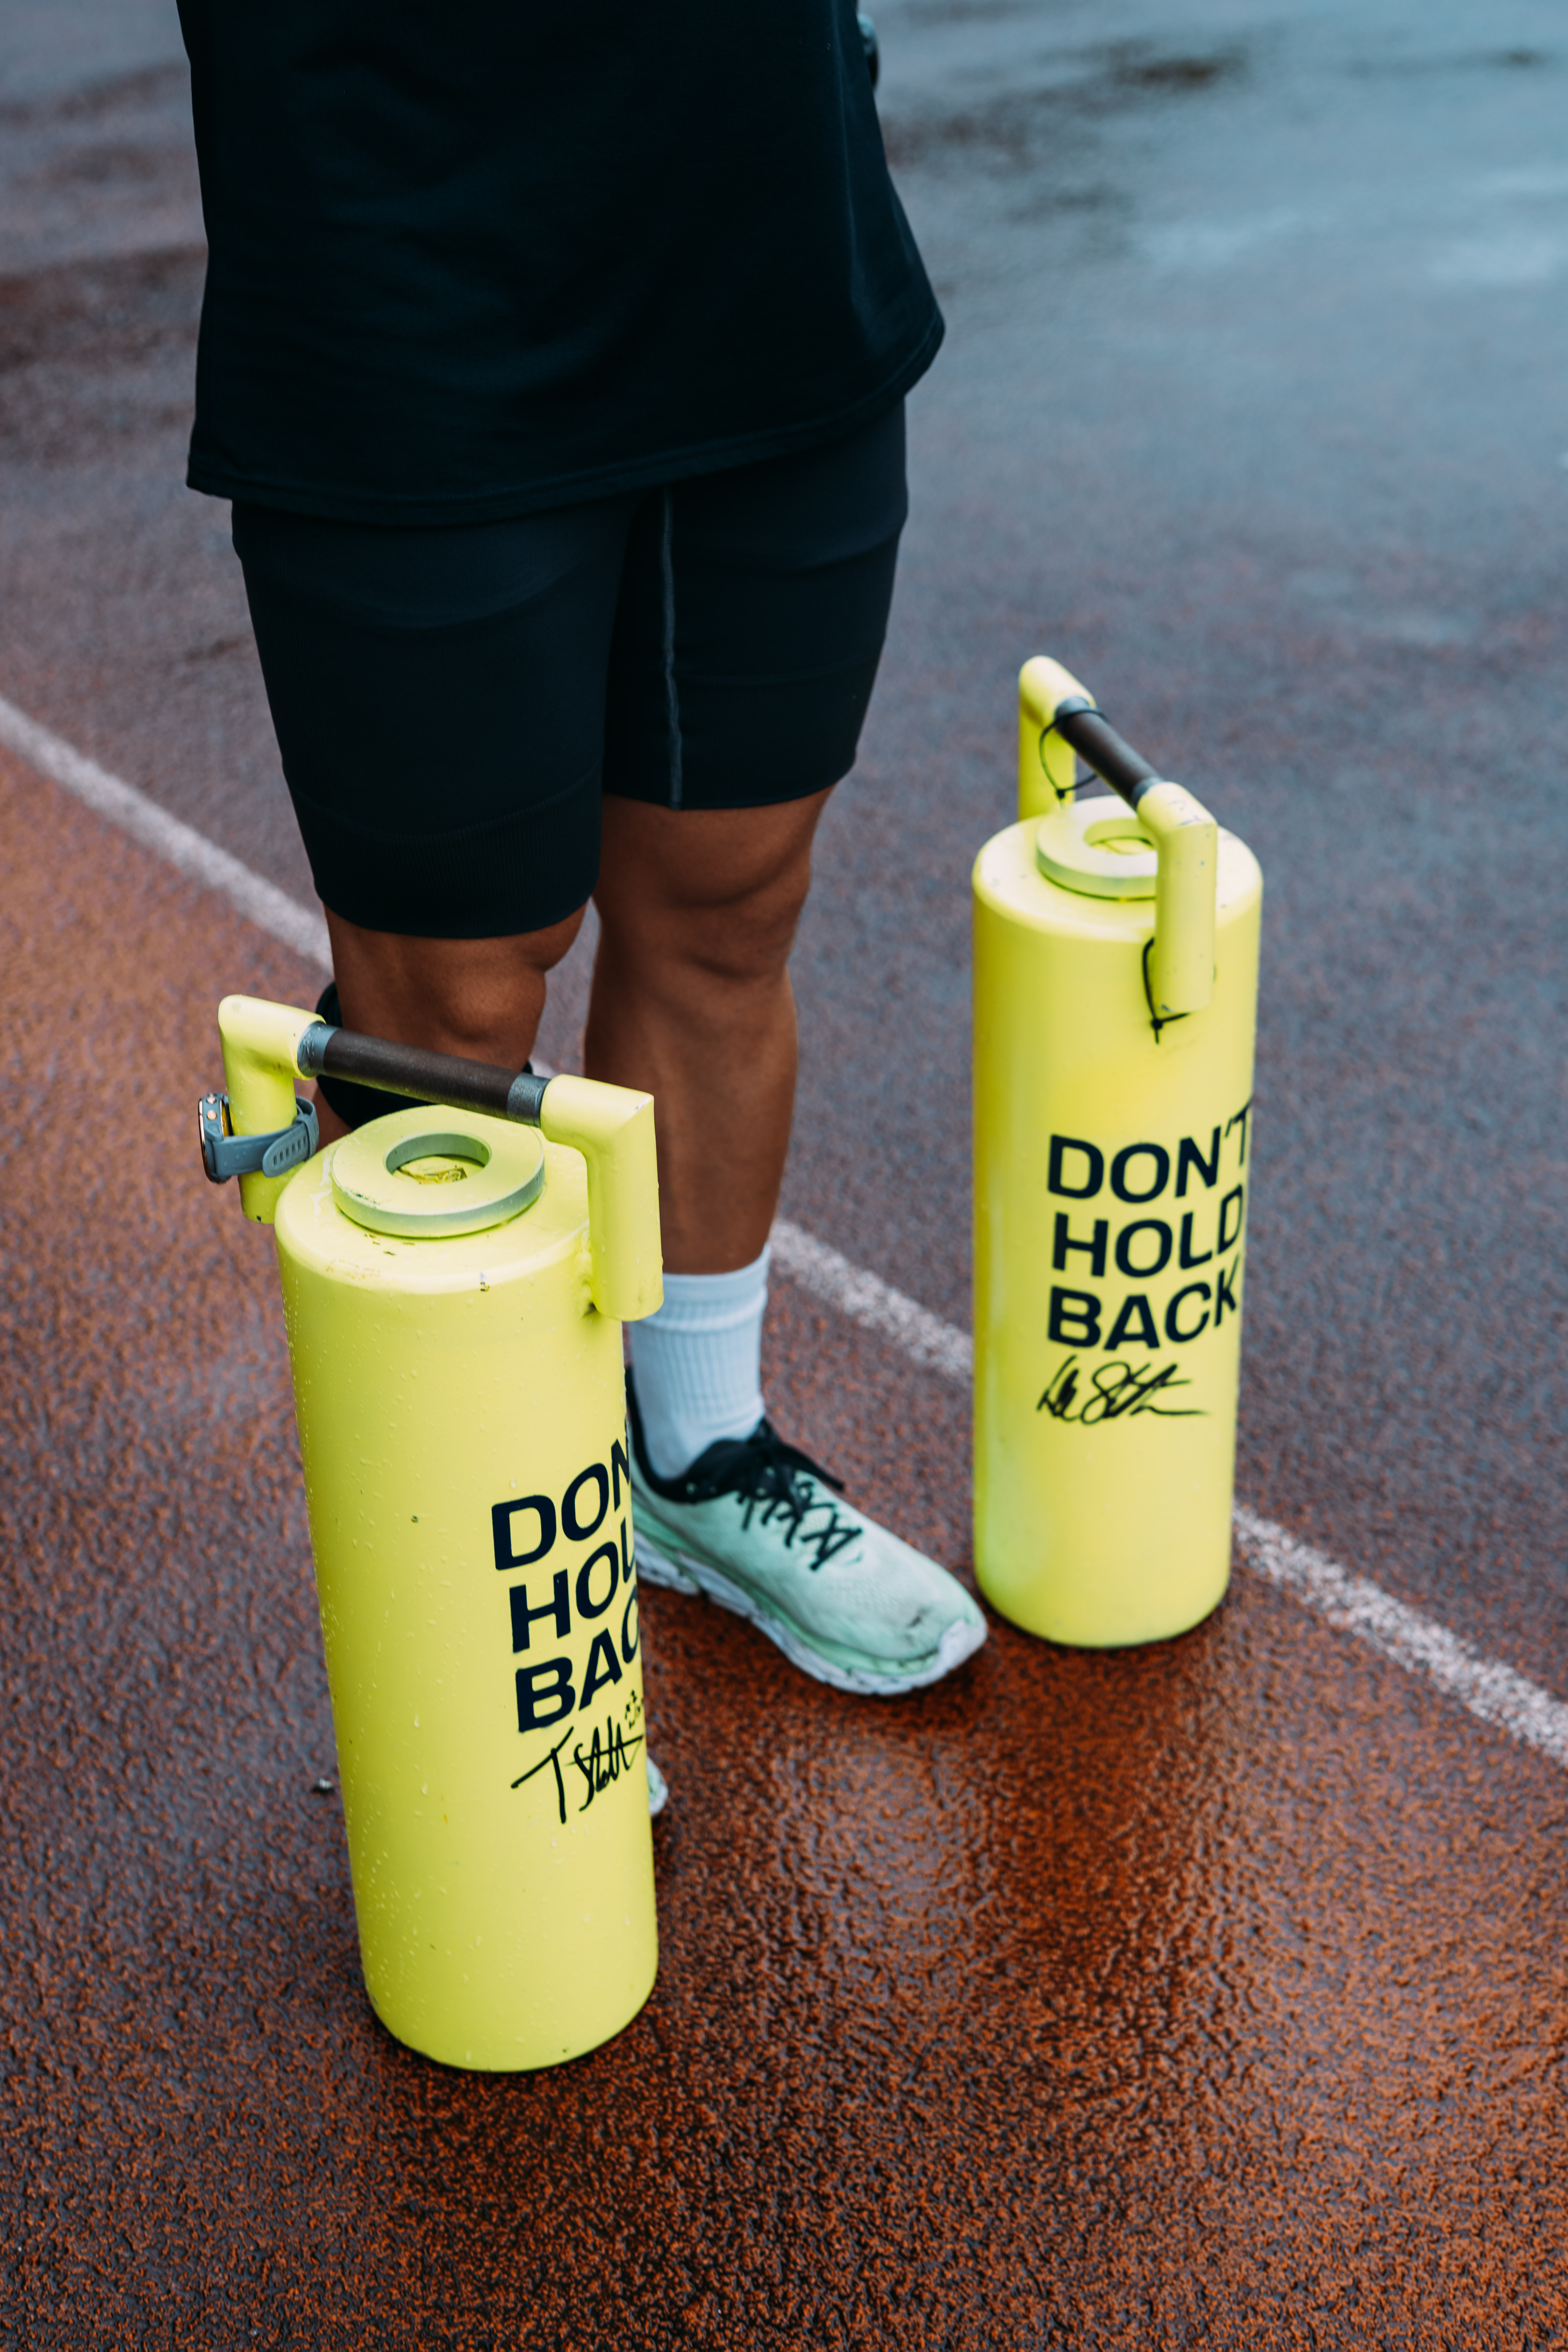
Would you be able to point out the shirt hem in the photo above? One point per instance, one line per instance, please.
(589, 483)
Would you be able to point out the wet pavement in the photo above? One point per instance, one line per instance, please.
(1211, 1995)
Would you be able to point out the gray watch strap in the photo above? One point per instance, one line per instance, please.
(225, 1154)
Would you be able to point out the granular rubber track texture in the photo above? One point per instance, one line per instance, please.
(1208, 1995)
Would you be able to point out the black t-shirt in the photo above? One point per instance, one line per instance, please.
(474, 259)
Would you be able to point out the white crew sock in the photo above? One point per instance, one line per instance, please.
(698, 1364)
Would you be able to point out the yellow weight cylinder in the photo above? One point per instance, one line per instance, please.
(461, 1414)
(1111, 1178)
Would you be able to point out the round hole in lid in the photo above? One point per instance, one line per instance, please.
(443, 1157)
(1098, 848)
(429, 1173)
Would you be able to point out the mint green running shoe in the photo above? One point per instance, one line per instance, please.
(752, 1526)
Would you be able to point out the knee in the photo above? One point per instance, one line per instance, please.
(740, 937)
(541, 951)
(499, 982)
(480, 998)
(712, 894)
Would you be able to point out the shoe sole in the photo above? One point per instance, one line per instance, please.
(687, 1574)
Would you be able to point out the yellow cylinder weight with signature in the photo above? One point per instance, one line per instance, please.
(1112, 1132)
(461, 1410)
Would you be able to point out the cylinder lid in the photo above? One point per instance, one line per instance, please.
(1097, 847)
(427, 1172)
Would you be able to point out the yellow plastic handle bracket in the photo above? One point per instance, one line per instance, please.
(611, 1127)
(1046, 763)
(260, 1067)
(1187, 880)
(1180, 967)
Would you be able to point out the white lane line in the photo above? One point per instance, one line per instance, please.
(260, 901)
(1509, 1701)
(1495, 1694)
(867, 1299)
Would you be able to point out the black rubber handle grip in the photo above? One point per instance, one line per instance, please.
(422, 1077)
(1099, 747)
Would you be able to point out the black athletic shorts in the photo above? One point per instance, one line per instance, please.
(452, 703)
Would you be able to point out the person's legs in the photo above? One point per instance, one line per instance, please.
(691, 1000)
(747, 644)
(751, 615)
(442, 702)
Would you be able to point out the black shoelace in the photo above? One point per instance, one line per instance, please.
(775, 1482)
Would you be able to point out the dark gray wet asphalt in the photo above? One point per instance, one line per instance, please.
(1254, 410)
